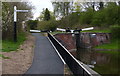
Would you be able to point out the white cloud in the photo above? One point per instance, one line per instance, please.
(39, 5)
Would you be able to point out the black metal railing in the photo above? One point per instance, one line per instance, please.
(77, 68)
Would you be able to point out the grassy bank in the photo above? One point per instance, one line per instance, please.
(8, 46)
(113, 45)
(113, 63)
(98, 31)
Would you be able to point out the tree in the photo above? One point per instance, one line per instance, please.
(47, 15)
(77, 7)
(119, 3)
(41, 17)
(7, 17)
(101, 5)
(62, 8)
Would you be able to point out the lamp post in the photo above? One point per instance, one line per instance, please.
(15, 21)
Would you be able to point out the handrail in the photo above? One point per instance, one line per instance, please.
(75, 66)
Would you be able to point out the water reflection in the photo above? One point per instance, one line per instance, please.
(102, 63)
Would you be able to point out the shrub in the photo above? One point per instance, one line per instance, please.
(47, 25)
(32, 24)
(86, 17)
(98, 18)
(115, 30)
(111, 14)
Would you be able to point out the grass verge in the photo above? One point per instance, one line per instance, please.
(8, 46)
(98, 31)
(113, 45)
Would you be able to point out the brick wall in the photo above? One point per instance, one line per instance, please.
(67, 40)
(88, 39)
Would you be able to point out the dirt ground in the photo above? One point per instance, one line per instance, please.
(21, 59)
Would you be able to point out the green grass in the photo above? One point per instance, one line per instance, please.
(0, 45)
(98, 31)
(4, 57)
(8, 46)
(112, 45)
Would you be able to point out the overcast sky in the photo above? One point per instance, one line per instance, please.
(39, 5)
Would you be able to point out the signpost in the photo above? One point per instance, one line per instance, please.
(15, 21)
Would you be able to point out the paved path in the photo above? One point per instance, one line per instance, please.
(46, 60)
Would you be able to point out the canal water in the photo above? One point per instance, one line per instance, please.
(104, 62)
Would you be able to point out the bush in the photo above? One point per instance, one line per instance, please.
(32, 24)
(47, 25)
(111, 14)
(115, 30)
(107, 16)
(118, 21)
(86, 17)
(70, 20)
(98, 18)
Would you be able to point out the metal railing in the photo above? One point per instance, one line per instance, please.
(77, 68)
